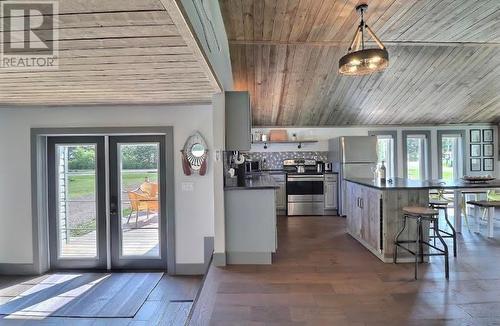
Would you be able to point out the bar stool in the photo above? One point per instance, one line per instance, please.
(420, 214)
(443, 204)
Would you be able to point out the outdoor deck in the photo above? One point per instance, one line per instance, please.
(142, 240)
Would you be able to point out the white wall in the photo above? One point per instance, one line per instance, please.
(194, 212)
(219, 121)
(323, 134)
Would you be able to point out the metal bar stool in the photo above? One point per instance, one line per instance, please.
(443, 204)
(420, 214)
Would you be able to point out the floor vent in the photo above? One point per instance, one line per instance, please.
(181, 300)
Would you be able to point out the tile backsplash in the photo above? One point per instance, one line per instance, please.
(274, 160)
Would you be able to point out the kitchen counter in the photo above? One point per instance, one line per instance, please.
(256, 182)
(281, 171)
(374, 213)
(274, 171)
(250, 215)
(375, 210)
(400, 183)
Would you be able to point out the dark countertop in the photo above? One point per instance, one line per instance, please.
(274, 171)
(400, 183)
(281, 171)
(256, 182)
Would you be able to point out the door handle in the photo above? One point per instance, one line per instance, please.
(113, 207)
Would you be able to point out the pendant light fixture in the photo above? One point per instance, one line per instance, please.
(360, 60)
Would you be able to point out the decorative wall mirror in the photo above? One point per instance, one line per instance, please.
(194, 155)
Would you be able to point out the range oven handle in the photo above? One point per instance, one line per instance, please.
(295, 179)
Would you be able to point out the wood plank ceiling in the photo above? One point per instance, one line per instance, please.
(117, 52)
(444, 61)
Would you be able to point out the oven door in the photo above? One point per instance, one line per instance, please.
(305, 195)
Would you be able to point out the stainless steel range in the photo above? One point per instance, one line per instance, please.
(304, 187)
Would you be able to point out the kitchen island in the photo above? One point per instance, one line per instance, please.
(250, 212)
(374, 209)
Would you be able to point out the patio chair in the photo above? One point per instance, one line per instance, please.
(149, 188)
(141, 202)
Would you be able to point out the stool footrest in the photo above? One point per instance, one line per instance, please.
(442, 252)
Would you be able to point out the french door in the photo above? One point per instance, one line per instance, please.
(77, 202)
(107, 208)
(138, 231)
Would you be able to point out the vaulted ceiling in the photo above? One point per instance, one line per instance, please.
(116, 52)
(444, 61)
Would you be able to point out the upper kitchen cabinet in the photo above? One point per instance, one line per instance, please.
(238, 121)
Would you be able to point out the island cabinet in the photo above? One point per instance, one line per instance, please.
(374, 217)
(250, 221)
(364, 217)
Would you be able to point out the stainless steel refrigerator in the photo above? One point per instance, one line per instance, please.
(352, 156)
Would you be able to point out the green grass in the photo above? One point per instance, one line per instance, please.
(447, 172)
(84, 185)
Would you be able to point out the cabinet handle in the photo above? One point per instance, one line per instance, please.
(360, 202)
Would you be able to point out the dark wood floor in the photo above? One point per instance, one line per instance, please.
(321, 276)
(168, 303)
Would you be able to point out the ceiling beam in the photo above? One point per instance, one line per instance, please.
(174, 9)
(346, 43)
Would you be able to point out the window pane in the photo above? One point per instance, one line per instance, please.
(76, 201)
(415, 158)
(140, 206)
(451, 157)
(385, 152)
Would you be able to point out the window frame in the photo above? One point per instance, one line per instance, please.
(426, 134)
(394, 135)
(440, 135)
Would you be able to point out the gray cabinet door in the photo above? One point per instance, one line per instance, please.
(371, 217)
(331, 195)
(281, 196)
(238, 121)
(353, 209)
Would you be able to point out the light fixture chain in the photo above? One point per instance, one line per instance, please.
(362, 24)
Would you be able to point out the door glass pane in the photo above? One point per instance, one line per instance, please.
(415, 158)
(76, 200)
(385, 152)
(139, 193)
(450, 157)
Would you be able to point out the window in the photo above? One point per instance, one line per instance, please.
(416, 155)
(450, 146)
(385, 152)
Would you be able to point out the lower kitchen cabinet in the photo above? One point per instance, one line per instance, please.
(251, 226)
(363, 215)
(330, 191)
(375, 217)
(280, 179)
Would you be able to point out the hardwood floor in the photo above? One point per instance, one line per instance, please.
(322, 276)
(168, 303)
